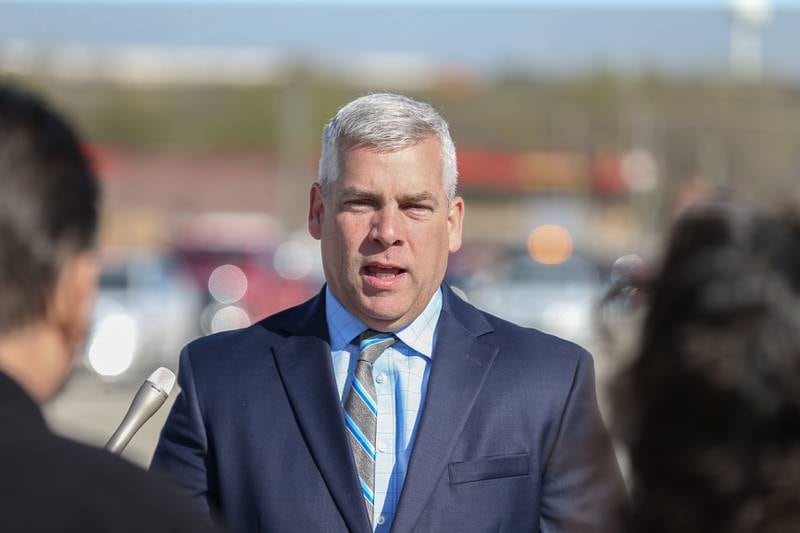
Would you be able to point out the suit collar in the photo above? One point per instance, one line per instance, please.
(460, 366)
(308, 319)
(304, 363)
(468, 316)
(458, 372)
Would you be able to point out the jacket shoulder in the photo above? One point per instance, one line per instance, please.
(269, 329)
(511, 330)
(84, 488)
(531, 342)
(230, 353)
(512, 339)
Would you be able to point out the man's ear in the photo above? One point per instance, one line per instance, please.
(316, 210)
(73, 298)
(455, 222)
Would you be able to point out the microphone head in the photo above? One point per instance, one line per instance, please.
(627, 270)
(163, 379)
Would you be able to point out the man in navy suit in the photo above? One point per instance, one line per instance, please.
(463, 422)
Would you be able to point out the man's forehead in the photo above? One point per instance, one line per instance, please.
(411, 170)
(350, 149)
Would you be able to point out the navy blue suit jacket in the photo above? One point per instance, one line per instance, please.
(510, 438)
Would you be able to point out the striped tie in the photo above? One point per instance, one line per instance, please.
(361, 412)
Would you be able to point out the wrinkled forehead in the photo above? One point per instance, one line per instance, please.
(349, 146)
(422, 159)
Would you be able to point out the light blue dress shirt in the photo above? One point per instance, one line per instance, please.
(401, 379)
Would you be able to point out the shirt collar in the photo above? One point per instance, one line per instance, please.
(419, 335)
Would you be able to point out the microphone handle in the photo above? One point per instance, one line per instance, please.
(147, 401)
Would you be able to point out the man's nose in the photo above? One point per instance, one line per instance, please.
(387, 227)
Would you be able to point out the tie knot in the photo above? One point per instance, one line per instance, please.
(372, 344)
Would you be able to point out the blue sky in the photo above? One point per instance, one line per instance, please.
(643, 3)
(553, 39)
(549, 3)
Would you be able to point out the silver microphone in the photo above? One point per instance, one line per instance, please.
(149, 398)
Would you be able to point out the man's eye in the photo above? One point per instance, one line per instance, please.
(419, 207)
(358, 204)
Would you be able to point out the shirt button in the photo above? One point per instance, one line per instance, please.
(381, 520)
(380, 378)
(382, 447)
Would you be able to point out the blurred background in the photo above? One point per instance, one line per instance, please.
(582, 129)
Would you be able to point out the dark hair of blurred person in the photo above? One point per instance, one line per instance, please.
(48, 273)
(48, 221)
(710, 407)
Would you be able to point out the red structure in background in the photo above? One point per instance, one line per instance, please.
(489, 170)
(541, 171)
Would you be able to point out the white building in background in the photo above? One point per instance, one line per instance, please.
(750, 17)
(154, 66)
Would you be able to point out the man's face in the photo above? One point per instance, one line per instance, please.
(386, 230)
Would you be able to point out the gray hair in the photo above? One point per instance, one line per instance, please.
(385, 122)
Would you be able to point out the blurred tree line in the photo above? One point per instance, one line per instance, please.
(711, 130)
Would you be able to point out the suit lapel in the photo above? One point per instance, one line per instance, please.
(304, 363)
(459, 368)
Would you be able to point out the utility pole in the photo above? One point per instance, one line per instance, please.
(294, 172)
(749, 19)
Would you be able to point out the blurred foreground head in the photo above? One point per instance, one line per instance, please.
(48, 223)
(710, 408)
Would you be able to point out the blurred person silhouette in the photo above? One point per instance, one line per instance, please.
(709, 407)
(48, 271)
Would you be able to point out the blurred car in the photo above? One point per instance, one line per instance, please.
(555, 298)
(145, 311)
(244, 267)
(475, 262)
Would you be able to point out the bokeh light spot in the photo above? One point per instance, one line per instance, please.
(550, 244)
(227, 284)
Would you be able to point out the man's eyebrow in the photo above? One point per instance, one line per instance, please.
(364, 194)
(354, 192)
(420, 197)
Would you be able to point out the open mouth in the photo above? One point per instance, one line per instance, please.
(382, 276)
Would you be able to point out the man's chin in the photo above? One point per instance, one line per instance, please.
(384, 319)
